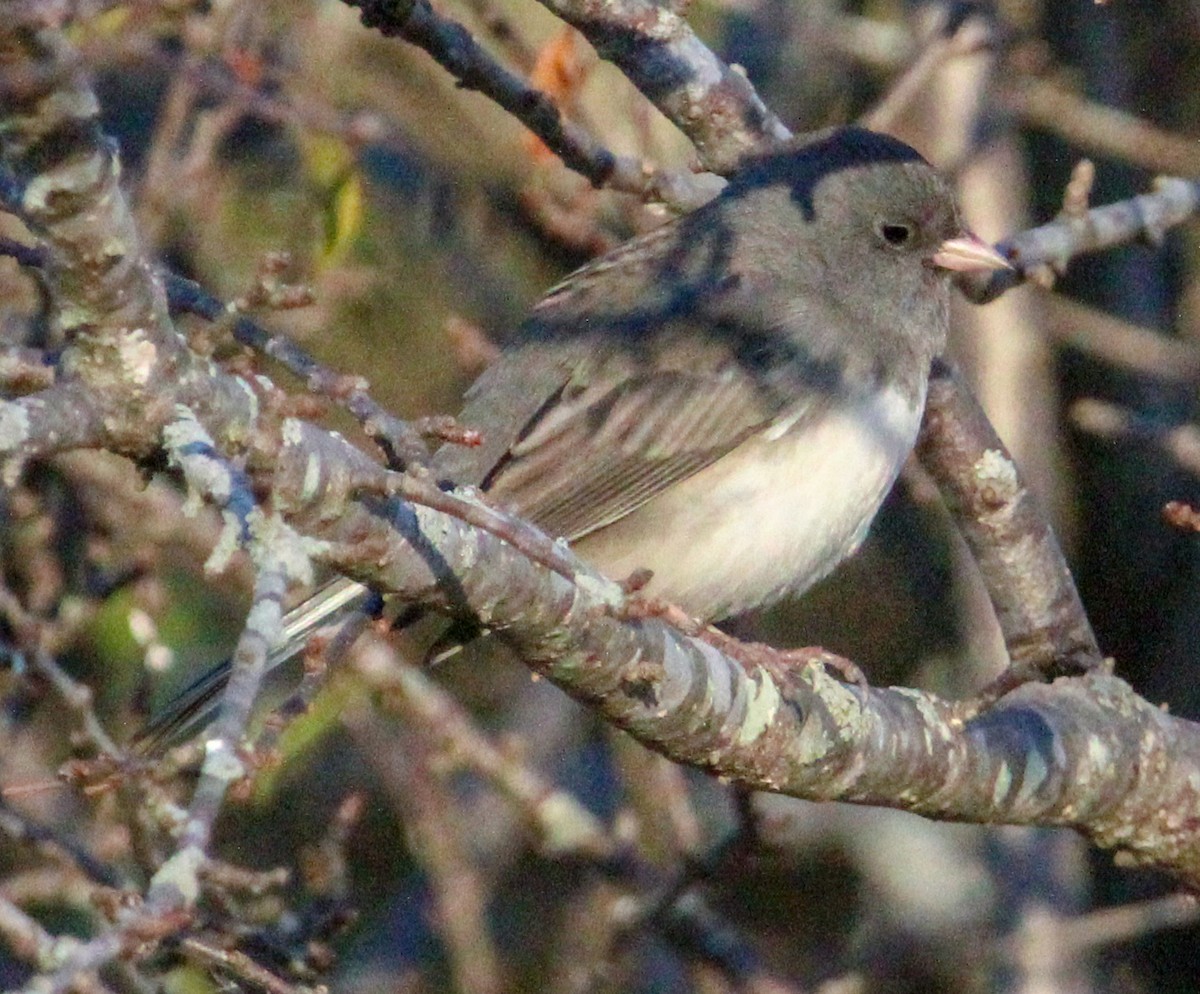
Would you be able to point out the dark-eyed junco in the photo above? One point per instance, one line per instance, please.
(726, 400)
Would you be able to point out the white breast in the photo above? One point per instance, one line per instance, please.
(773, 516)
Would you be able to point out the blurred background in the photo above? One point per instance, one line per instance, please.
(392, 845)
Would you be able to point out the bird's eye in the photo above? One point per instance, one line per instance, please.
(895, 234)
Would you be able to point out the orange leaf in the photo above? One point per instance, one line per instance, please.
(560, 72)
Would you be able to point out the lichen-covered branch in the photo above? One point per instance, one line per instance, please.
(1043, 621)
(1027, 760)
(713, 103)
(123, 357)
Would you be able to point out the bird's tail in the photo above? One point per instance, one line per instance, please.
(197, 706)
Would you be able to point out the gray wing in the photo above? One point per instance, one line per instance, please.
(605, 438)
(621, 441)
(615, 393)
(582, 431)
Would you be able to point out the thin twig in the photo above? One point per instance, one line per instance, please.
(238, 964)
(20, 828)
(713, 103)
(1146, 217)
(77, 696)
(400, 443)
(474, 69)
(434, 823)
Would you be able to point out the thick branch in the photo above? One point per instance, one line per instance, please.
(64, 416)
(1030, 586)
(63, 174)
(1079, 748)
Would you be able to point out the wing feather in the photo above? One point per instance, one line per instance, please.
(622, 384)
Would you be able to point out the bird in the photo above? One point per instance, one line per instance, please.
(724, 402)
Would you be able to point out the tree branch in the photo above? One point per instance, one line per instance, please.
(1041, 616)
(1147, 217)
(714, 104)
(452, 46)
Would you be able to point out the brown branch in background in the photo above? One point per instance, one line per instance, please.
(674, 187)
(37, 638)
(78, 697)
(162, 178)
(452, 46)
(657, 798)
(563, 827)
(434, 826)
(1036, 97)
(1119, 343)
(50, 839)
(1040, 614)
(1045, 103)
(1114, 423)
(944, 41)
(1067, 939)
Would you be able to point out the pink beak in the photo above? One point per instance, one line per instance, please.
(968, 253)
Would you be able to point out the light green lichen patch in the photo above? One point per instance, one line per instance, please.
(996, 470)
(14, 426)
(762, 706)
(840, 701)
(228, 543)
(275, 543)
(181, 874)
(597, 588)
(566, 826)
(1003, 784)
(138, 356)
(221, 763)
